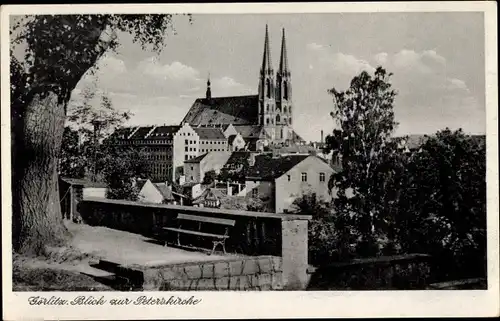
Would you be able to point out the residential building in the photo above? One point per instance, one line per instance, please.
(284, 178)
(155, 141)
(195, 168)
(191, 142)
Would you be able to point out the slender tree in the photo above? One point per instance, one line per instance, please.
(58, 51)
(365, 117)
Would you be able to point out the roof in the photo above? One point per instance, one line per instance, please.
(269, 167)
(122, 133)
(231, 138)
(164, 132)
(164, 190)
(196, 159)
(236, 110)
(296, 137)
(211, 194)
(141, 132)
(299, 149)
(82, 182)
(251, 131)
(209, 133)
(140, 183)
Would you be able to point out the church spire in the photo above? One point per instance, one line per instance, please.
(266, 59)
(283, 59)
(209, 91)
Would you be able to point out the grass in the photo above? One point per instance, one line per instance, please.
(57, 271)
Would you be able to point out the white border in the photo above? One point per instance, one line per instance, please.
(272, 304)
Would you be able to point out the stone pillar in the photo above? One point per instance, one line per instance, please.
(294, 253)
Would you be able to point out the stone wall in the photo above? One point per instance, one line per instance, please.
(251, 274)
(257, 234)
(403, 272)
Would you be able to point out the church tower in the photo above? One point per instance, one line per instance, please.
(267, 103)
(208, 94)
(283, 115)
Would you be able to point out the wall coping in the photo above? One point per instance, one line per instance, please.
(394, 259)
(281, 216)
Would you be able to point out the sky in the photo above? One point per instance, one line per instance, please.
(437, 60)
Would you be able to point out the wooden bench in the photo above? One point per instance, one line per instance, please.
(219, 239)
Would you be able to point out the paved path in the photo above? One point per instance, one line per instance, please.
(128, 248)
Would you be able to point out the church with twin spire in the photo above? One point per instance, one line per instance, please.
(265, 118)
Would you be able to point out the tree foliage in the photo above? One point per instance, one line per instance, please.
(235, 173)
(94, 119)
(365, 117)
(123, 166)
(443, 203)
(72, 163)
(57, 51)
(209, 177)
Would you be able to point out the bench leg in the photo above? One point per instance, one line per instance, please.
(222, 243)
(178, 239)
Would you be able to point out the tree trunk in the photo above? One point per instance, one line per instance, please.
(37, 218)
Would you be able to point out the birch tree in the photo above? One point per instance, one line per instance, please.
(365, 117)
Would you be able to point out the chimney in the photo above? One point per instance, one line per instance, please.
(321, 136)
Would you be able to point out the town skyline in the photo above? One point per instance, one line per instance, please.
(437, 85)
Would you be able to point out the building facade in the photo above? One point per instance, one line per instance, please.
(157, 144)
(283, 179)
(191, 142)
(195, 169)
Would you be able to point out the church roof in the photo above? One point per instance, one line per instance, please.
(209, 133)
(251, 131)
(236, 110)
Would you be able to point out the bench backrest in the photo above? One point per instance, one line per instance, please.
(213, 220)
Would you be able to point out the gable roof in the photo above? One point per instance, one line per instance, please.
(211, 194)
(209, 133)
(236, 110)
(268, 167)
(197, 159)
(251, 131)
(164, 190)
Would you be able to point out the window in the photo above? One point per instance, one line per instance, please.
(267, 108)
(290, 121)
(285, 87)
(321, 177)
(304, 177)
(289, 177)
(191, 177)
(191, 167)
(185, 157)
(268, 88)
(186, 149)
(186, 142)
(284, 109)
(267, 121)
(255, 193)
(277, 119)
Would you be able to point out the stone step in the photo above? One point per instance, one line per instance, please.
(94, 272)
